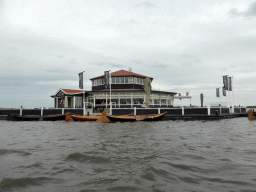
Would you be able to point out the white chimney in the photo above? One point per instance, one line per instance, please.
(130, 69)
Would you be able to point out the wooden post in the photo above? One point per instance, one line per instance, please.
(20, 110)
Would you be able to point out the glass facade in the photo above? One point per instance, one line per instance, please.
(119, 80)
(118, 98)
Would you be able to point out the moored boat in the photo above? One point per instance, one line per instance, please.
(57, 117)
(251, 115)
(132, 118)
(17, 117)
(101, 118)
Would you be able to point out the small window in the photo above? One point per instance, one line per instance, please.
(117, 80)
(135, 80)
(138, 80)
(113, 80)
(130, 80)
(99, 81)
(126, 80)
(122, 79)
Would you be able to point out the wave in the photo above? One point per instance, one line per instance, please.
(8, 183)
(82, 157)
(124, 188)
(10, 151)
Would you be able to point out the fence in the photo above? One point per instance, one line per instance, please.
(178, 111)
(123, 111)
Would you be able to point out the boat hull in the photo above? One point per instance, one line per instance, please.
(16, 117)
(120, 119)
(133, 118)
(54, 117)
(85, 118)
(251, 115)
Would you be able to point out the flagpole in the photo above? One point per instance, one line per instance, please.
(232, 94)
(83, 95)
(110, 91)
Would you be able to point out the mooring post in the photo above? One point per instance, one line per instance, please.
(158, 110)
(20, 110)
(182, 109)
(134, 111)
(208, 109)
(62, 111)
(42, 111)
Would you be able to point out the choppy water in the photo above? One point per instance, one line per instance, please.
(141, 156)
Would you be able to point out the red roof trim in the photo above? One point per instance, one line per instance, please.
(123, 73)
(72, 91)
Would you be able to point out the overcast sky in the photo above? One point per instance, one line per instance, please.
(186, 46)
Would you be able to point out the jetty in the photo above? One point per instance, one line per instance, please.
(175, 113)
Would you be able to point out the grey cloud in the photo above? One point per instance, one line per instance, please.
(56, 70)
(147, 4)
(159, 65)
(137, 61)
(116, 65)
(187, 64)
(185, 55)
(13, 49)
(251, 12)
(72, 61)
(109, 64)
(99, 63)
(60, 56)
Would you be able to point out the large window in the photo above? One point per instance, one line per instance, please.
(156, 101)
(137, 101)
(163, 101)
(125, 101)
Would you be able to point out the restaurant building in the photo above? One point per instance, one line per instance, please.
(126, 90)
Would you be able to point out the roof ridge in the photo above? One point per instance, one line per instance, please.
(124, 73)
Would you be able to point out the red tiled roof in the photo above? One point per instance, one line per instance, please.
(113, 90)
(123, 73)
(70, 91)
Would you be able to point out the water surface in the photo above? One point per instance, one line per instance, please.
(141, 156)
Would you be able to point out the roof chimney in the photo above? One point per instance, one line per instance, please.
(130, 69)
